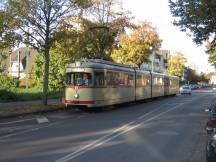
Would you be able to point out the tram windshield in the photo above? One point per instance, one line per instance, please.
(79, 79)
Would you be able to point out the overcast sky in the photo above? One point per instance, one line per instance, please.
(157, 12)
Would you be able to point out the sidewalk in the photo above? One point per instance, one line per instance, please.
(21, 104)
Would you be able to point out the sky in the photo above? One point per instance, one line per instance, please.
(157, 12)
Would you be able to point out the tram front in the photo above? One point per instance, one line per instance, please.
(79, 86)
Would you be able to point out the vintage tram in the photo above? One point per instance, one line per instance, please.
(98, 83)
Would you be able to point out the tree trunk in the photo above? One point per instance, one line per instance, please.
(46, 74)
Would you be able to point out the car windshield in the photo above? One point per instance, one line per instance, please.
(79, 79)
(185, 87)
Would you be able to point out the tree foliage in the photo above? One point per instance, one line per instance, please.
(56, 70)
(212, 55)
(7, 82)
(135, 48)
(81, 37)
(194, 77)
(176, 64)
(197, 16)
(37, 21)
(98, 28)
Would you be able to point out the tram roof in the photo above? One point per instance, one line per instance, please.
(96, 63)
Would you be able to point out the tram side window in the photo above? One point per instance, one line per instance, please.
(139, 80)
(155, 81)
(131, 80)
(109, 78)
(99, 78)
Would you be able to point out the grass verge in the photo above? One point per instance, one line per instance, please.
(22, 94)
(30, 109)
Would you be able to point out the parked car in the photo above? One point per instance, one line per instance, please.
(214, 88)
(185, 90)
(211, 147)
(211, 134)
(211, 144)
(212, 116)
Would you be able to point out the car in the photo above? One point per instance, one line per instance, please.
(211, 134)
(214, 88)
(212, 116)
(185, 90)
(211, 146)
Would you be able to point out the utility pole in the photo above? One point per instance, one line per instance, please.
(10, 68)
(18, 71)
(27, 64)
(27, 68)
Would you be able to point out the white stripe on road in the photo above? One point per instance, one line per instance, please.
(116, 132)
(17, 121)
(122, 130)
(26, 131)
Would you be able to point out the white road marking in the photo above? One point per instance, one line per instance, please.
(26, 131)
(127, 127)
(115, 133)
(17, 121)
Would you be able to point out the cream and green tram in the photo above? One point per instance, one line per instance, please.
(157, 85)
(171, 85)
(97, 83)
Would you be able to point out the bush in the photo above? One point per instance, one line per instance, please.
(6, 82)
(6, 95)
(22, 82)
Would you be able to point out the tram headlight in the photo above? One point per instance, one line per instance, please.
(76, 96)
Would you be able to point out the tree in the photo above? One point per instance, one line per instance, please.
(56, 70)
(86, 36)
(38, 20)
(98, 28)
(212, 55)
(198, 16)
(192, 76)
(135, 48)
(8, 38)
(203, 77)
(176, 64)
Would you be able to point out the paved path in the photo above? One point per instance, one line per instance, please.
(21, 104)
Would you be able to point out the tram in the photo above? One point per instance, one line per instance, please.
(98, 83)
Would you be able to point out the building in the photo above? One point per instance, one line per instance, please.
(212, 78)
(20, 62)
(157, 61)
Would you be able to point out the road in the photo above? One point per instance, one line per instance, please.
(168, 129)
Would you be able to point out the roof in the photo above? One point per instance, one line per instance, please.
(98, 63)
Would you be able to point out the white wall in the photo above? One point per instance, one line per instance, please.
(14, 70)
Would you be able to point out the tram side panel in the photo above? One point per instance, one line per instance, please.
(157, 85)
(174, 85)
(166, 85)
(143, 85)
(120, 87)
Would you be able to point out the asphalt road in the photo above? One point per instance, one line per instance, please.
(164, 130)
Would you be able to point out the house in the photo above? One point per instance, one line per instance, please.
(20, 62)
(212, 78)
(157, 61)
